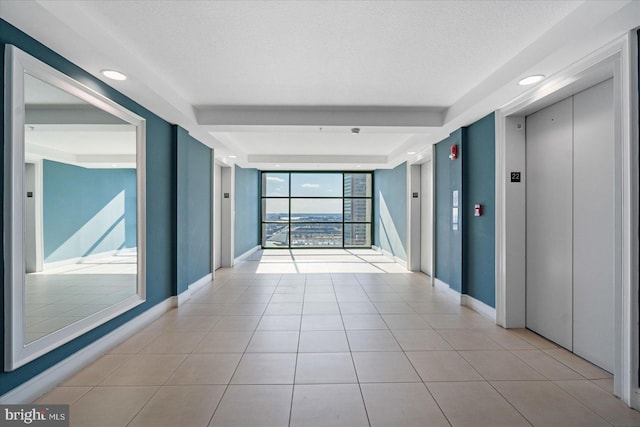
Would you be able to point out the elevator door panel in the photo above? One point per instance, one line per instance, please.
(549, 222)
(593, 225)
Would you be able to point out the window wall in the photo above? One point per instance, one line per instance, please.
(316, 209)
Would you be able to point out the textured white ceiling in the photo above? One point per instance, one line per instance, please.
(412, 70)
(387, 53)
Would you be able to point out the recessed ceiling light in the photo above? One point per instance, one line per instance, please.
(411, 153)
(114, 166)
(358, 166)
(277, 166)
(531, 80)
(113, 75)
(232, 156)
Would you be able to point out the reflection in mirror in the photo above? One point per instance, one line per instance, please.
(80, 209)
(73, 212)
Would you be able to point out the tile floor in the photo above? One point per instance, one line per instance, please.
(62, 295)
(335, 349)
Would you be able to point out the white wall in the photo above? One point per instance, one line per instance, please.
(413, 218)
(426, 218)
(217, 216)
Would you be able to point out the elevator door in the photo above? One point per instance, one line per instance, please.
(571, 225)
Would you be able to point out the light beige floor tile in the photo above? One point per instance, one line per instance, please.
(363, 321)
(446, 321)
(184, 323)
(62, 395)
(601, 402)
(279, 323)
(545, 404)
(197, 309)
(322, 322)
(435, 307)
(97, 371)
(320, 308)
(500, 365)
(384, 367)
(284, 308)
(405, 321)
(411, 340)
(376, 296)
(547, 365)
(180, 405)
(224, 342)
(287, 297)
(134, 344)
(475, 404)
(581, 366)
(145, 369)
(109, 406)
(173, 343)
(273, 342)
(328, 405)
(253, 298)
(236, 323)
(363, 307)
(237, 309)
(507, 339)
(442, 366)
(265, 368)
(461, 339)
(393, 308)
(323, 342)
(400, 404)
(311, 296)
(254, 405)
(606, 384)
(382, 340)
(206, 369)
(325, 368)
(534, 339)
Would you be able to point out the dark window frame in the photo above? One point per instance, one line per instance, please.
(289, 223)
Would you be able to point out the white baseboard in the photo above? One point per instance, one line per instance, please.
(479, 306)
(451, 293)
(246, 254)
(198, 284)
(43, 382)
(466, 300)
(397, 260)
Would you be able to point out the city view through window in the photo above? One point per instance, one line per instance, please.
(316, 210)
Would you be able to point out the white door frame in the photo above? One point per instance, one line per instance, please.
(618, 60)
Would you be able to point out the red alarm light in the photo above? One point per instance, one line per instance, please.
(453, 155)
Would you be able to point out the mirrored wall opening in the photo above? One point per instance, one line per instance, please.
(80, 200)
(316, 210)
(74, 209)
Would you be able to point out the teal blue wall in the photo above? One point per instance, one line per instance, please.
(478, 181)
(103, 217)
(390, 210)
(448, 242)
(465, 258)
(160, 199)
(193, 209)
(247, 207)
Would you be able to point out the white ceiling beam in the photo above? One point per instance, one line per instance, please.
(314, 159)
(355, 116)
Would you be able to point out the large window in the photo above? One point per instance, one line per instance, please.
(314, 210)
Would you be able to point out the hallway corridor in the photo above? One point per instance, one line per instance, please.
(335, 349)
